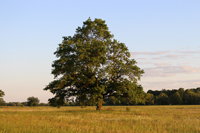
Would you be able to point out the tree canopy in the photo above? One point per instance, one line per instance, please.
(1, 93)
(33, 101)
(2, 102)
(91, 65)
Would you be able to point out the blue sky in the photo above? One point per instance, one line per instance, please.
(163, 37)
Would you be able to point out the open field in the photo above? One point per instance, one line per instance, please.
(116, 119)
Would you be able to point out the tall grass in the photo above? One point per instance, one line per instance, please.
(116, 119)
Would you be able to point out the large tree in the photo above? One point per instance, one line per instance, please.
(91, 65)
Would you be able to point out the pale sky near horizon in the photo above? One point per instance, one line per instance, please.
(163, 37)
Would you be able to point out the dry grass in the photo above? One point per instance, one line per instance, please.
(156, 119)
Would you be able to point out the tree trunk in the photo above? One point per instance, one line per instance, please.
(99, 106)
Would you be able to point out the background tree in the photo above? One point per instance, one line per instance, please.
(175, 98)
(1, 93)
(92, 65)
(2, 102)
(19, 104)
(32, 101)
(24, 103)
(163, 99)
(43, 104)
(190, 97)
(149, 99)
(11, 104)
(181, 91)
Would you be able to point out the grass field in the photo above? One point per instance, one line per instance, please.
(111, 119)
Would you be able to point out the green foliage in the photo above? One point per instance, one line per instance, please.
(43, 104)
(92, 65)
(149, 99)
(181, 91)
(32, 101)
(24, 103)
(175, 99)
(111, 101)
(180, 96)
(56, 102)
(163, 99)
(19, 104)
(2, 102)
(191, 97)
(11, 104)
(1, 93)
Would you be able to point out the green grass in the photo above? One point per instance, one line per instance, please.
(116, 119)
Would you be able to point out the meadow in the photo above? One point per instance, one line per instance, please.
(111, 119)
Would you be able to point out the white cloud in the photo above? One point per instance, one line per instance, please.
(161, 64)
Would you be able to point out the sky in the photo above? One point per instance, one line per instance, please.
(162, 36)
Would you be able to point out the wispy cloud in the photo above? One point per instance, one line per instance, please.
(162, 64)
(145, 62)
(185, 47)
(167, 71)
(141, 58)
(187, 52)
(166, 54)
(149, 53)
(172, 56)
(170, 84)
(197, 83)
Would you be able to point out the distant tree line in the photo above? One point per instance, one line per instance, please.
(157, 97)
(173, 97)
(31, 101)
(152, 97)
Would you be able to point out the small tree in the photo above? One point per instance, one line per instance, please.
(32, 101)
